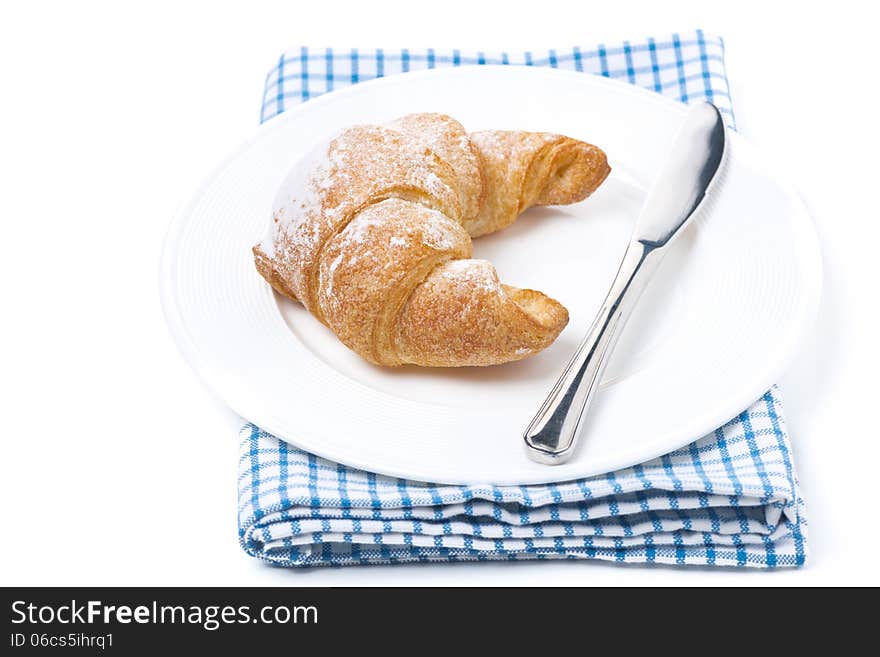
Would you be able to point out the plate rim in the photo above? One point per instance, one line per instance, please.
(810, 247)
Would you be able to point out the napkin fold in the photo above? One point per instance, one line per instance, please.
(729, 499)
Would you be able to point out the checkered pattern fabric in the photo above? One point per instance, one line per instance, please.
(684, 67)
(728, 499)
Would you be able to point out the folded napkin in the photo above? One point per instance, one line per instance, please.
(729, 499)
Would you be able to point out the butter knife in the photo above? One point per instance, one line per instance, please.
(673, 199)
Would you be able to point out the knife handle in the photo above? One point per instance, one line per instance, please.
(551, 435)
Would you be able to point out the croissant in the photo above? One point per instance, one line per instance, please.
(375, 238)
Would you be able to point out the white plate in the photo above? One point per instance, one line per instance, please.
(714, 330)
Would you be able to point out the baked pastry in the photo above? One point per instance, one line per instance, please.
(374, 239)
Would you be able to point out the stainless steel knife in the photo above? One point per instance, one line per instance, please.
(673, 199)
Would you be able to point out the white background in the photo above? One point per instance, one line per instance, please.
(119, 469)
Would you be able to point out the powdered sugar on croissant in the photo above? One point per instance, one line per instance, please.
(374, 239)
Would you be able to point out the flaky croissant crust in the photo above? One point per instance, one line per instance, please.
(374, 239)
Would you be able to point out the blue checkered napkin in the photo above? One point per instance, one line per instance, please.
(728, 499)
(683, 66)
